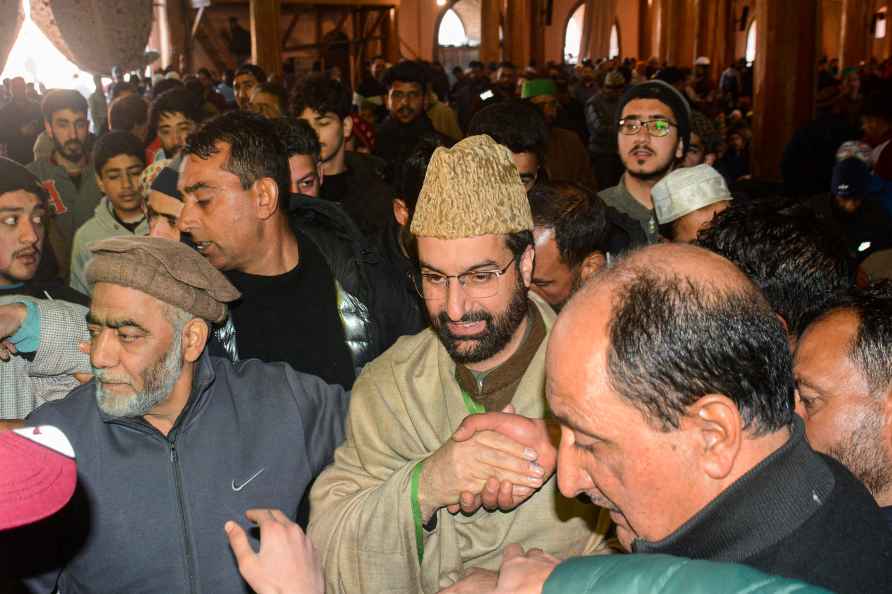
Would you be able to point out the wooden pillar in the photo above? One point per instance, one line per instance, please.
(786, 54)
(854, 34)
(599, 18)
(645, 29)
(391, 41)
(677, 34)
(490, 18)
(517, 37)
(266, 44)
(714, 33)
(177, 18)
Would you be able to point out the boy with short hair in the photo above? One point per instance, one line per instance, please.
(119, 160)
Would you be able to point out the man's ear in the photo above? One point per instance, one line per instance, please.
(195, 337)
(679, 151)
(266, 197)
(718, 429)
(100, 184)
(592, 264)
(347, 124)
(400, 212)
(527, 261)
(886, 427)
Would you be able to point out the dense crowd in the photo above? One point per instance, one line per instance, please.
(490, 330)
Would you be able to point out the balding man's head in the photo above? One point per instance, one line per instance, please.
(681, 322)
(662, 370)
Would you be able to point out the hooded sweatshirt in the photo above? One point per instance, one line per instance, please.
(102, 226)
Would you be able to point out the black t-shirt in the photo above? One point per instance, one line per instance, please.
(294, 318)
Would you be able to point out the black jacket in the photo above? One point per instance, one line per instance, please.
(395, 141)
(372, 300)
(798, 514)
(149, 509)
(366, 197)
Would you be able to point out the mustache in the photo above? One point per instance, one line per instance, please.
(104, 377)
(642, 147)
(474, 316)
(28, 251)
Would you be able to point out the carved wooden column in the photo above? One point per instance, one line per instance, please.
(854, 32)
(266, 44)
(787, 51)
(599, 18)
(521, 18)
(490, 18)
(392, 36)
(715, 33)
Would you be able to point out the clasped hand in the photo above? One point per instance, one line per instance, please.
(493, 460)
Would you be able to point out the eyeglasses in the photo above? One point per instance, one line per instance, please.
(658, 127)
(477, 284)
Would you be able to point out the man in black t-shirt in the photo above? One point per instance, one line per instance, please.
(313, 295)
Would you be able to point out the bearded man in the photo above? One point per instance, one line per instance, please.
(654, 132)
(173, 443)
(67, 174)
(385, 514)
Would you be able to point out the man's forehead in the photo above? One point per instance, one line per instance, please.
(399, 85)
(172, 117)
(457, 255)
(301, 165)
(245, 77)
(19, 199)
(69, 114)
(645, 108)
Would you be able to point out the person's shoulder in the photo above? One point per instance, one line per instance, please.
(76, 411)
(409, 350)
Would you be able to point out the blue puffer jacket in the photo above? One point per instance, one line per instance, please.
(663, 574)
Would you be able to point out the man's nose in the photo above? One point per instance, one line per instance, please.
(455, 300)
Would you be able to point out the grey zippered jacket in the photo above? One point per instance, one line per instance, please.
(149, 510)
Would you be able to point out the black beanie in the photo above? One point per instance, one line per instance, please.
(668, 95)
(14, 177)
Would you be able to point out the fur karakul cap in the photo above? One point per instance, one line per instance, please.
(469, 190)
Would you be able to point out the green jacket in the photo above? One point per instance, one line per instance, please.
(663, 574)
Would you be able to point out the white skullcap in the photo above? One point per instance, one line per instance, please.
(688, 189)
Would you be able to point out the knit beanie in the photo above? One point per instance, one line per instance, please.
(669, 96)
(469, 190)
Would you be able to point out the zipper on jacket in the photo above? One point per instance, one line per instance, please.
(181, 506)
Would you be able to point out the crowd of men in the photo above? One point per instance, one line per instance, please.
(502, 332)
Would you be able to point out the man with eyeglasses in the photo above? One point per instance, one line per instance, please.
(653, 135)
(407, 85)
(398, 511)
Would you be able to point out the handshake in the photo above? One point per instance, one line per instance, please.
(493, 460)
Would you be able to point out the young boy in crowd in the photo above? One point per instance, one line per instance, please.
(119, 160)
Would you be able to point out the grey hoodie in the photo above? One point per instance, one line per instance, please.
(149, 511)
(102, 225)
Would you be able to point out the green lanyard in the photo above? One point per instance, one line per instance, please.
(473, 407)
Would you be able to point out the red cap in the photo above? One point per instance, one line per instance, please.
(37, 474)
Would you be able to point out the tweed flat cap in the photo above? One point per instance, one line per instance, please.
(170, 271)
(469, 190)
(688, 189)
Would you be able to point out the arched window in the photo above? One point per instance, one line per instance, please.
(452, 30)
(614, 41)
(573, 35)
(751, 43)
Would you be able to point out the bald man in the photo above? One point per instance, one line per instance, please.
(672, 380)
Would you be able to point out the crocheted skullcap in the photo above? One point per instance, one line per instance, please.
(469, 190)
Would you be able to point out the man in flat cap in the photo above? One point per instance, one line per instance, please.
(385, 515)
(686, 200)
(172, 442)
